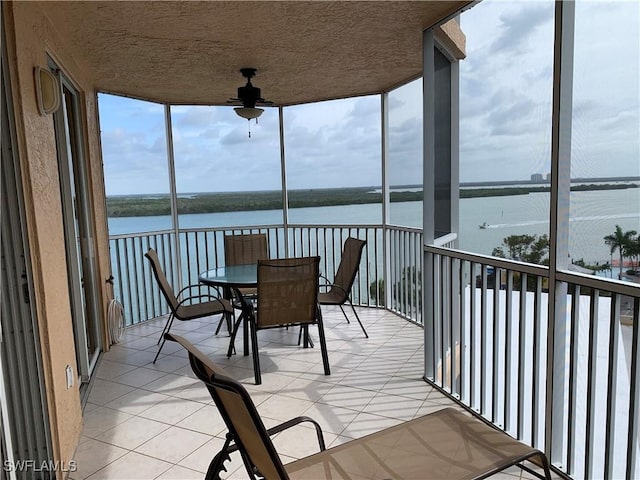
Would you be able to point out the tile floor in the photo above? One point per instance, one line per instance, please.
(156, 421)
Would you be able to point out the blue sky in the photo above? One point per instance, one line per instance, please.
(505, 116)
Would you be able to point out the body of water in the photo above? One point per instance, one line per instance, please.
(593, 215)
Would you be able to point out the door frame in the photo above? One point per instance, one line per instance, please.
(78, 225)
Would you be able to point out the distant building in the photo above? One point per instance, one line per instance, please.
(548, 177)
(537, 177)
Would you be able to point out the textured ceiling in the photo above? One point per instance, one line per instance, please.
(191, 52)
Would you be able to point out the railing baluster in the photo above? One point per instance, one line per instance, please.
(522, 335)
(464, 392)
(142, 300)
(591, 383)
(495, 350)
(633, 432)
(127, 270)
(119, 275)
(573, 379)
(483, 338)
(537, 343)
(473, 338)
(508, 352)
(612, 385)
(453, 332)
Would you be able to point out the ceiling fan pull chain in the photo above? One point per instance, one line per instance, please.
(249, 123)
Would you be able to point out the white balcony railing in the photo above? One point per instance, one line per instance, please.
(193, 251)
(486, 340)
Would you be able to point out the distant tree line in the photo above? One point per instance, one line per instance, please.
(151, 205)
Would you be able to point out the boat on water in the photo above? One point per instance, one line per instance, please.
(483, 225)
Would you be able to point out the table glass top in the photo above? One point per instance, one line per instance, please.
(231, 275)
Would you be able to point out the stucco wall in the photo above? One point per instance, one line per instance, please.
(30, 37)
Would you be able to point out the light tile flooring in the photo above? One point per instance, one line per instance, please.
(148, 421)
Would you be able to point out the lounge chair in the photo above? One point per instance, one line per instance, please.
(446, 444)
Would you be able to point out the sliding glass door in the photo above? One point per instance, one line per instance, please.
(78, 228)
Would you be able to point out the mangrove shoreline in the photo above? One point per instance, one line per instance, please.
(154, 205)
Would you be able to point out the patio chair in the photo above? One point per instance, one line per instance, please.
(443, 444)
(183, 307)
(244, 249)
(339, 292)
(288, 296)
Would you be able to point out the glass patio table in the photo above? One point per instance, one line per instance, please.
(232, 279)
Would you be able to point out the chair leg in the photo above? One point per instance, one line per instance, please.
(254, 349)
(309, 339)
(168, 327)
(358, 318)
(344, 313)
(226, 317)
(323, 345)
(232, 340)
(164, 330)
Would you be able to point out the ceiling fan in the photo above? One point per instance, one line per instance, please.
(249, 97)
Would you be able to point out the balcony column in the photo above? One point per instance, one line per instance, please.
(283, 173)
(428, 206)
(386, 216)
(558, 331)
(173, 195)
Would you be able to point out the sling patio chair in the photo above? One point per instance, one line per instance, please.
(287, 296)
(339, 292)
(446, 444)
(182, 305)
(245, 249)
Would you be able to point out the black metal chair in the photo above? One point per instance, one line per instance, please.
(244, 249)
(339, 292)
(183, 307)
(287, 296)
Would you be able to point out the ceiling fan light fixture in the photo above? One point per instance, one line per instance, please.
(248, 113)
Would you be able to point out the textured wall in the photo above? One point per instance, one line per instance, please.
(30, 36)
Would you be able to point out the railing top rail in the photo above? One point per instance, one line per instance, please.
(290, 225)
(227, 229)
(404, 229)
(140, 234)
(522, 267)
(599, 283)
(336, 225)
(443, 240)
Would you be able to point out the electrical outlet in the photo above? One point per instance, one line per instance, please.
(69, 372)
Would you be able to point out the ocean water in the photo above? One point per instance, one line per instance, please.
(593, 215)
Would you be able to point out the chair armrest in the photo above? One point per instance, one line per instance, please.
(206, 296)
(326, 286)
(199, 286)
(329, 286)
(296, 421)
(217, 464)
(187, 299)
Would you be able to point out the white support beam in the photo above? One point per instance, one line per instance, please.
(558, 331)
(428, 202)
(173, 194)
